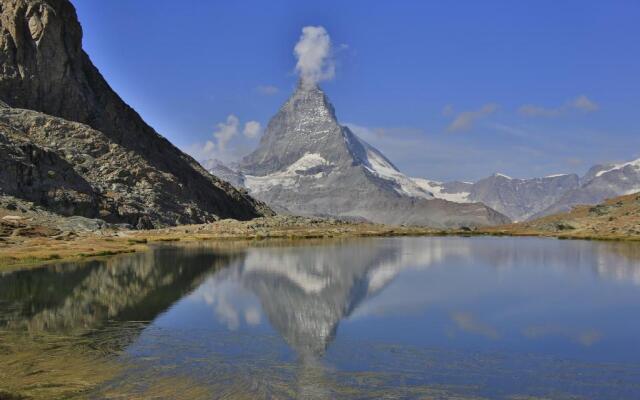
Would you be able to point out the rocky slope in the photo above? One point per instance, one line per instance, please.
(69, 142)
(616, 218)
(307, 163)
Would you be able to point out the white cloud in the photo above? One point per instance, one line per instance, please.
(224, 146)
(313, 51)
(226, 131)
(252, 129)
(581, 103)
(209, 147)
(267, 89)
(465, 120)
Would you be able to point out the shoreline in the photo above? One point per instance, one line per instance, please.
(32, 252)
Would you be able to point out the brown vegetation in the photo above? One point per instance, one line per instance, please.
(30, 241)
(615, 219)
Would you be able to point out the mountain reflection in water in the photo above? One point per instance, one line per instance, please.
(459, 297)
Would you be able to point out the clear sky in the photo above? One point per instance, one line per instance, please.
(447, 90)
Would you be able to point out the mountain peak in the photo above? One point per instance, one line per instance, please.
(308, 163)
(306, 123)
(310, 99)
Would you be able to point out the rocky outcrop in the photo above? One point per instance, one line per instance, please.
(70, 143)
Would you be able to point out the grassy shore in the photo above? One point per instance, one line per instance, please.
(33, 251)
(615, 219)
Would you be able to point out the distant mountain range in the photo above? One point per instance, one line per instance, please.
(525, 199)
(309, 164)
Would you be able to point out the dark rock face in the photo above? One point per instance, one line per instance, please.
(307, 163)
(105, 161)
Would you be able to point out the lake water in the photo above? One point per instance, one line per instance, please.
(423, 318)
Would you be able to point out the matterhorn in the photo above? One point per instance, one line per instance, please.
(309, 164)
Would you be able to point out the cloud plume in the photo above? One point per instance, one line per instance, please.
(464, 120)
(313, 51)
(226, 130)
(252, 129)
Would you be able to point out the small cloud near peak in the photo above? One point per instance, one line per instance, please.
(252, 129)
(315, 59)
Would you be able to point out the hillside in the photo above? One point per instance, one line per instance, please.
(616, 218)
(71, 144)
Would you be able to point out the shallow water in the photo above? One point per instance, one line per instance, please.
(505, 318)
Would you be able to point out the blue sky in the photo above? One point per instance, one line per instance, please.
(447, 90)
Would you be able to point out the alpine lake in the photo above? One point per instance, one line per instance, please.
(374, 318)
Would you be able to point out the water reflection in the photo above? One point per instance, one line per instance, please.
(305, 293)
(483, 294)
(75, 298)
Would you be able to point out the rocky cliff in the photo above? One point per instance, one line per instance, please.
(70, 143)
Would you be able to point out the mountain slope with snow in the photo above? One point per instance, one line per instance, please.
(525, 199)
(307, 163)
(518, 199)
(601, 182)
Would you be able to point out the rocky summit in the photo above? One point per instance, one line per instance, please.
(307, 163)
(69, 143)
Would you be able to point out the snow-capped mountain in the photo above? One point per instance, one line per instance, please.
(307, 163)
(519, 199)
(523, 199)
(599, 183)
(224, 172)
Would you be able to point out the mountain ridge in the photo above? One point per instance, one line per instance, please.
(532, 198)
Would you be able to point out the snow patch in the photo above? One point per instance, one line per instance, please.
(555, 175)
(289, 177)
(635, 164)
(437, 189)
(377, 164)
(502, 175)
